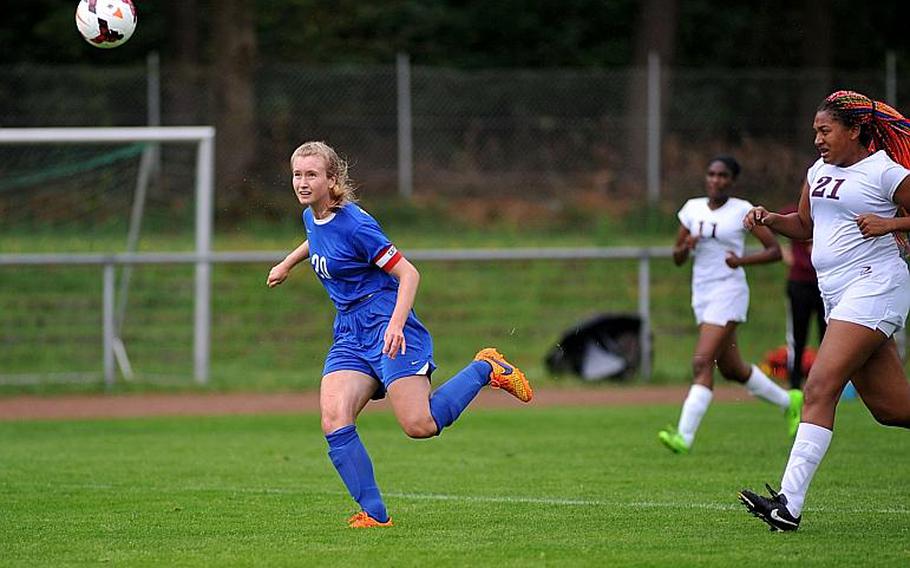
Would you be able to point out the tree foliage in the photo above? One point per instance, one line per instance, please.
(480, 33)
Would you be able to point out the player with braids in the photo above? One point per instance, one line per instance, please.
(848, 207)
(711, 229)
(883, 127)
(379, 346)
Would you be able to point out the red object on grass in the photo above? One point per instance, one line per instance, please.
(775, 362)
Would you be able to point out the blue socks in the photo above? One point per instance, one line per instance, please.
(449, 400)
(350, 458)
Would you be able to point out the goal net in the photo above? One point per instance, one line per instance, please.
(74, 200)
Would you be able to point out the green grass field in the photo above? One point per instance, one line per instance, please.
(549, 486)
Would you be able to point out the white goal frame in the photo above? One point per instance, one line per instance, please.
(203, 137)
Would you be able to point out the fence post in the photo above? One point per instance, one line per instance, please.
(153, 94)
(644, 312)
(891, 78)
(405, 126)
(107, 323)
(653, 158)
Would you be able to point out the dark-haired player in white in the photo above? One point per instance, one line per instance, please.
(849, 206)
(711, 229)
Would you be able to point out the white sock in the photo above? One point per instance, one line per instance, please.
(694, 408)
(809, 448)
(764, 388)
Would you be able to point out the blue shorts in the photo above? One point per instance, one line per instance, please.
(357, 344)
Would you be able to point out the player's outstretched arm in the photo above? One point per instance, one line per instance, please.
(280, 271)
(796, 226)
(769, 253)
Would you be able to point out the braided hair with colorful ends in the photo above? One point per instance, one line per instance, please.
(881, 127)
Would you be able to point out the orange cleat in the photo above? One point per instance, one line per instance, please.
(506, 376)
(364, 521)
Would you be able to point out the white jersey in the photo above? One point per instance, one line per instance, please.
(719, 230)
(837, 196)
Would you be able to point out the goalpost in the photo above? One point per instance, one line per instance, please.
(202, 137)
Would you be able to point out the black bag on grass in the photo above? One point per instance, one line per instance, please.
(607, 346)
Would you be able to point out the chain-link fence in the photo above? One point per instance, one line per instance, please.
(552, 134)
(535, 135)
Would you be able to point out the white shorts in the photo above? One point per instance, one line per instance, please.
(721, 303)
(877, 301)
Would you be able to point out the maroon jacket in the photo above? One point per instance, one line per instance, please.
(801, 270)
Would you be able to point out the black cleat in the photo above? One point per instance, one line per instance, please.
(772, 511)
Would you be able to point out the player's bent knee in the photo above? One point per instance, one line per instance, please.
(700, 364)
(820, 392)
(332, 421)
(419, 428)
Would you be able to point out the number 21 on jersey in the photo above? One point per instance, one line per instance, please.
(822, 184)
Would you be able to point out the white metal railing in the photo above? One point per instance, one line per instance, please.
(204, 139)
(109, 262)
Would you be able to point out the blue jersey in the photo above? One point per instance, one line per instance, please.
(351, 255)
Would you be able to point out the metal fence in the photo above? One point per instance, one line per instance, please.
(110, 333)
(561, 133)
(555, 138)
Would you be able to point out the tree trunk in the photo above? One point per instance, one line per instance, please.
(184, 89)
(234, 42)
(816, 62)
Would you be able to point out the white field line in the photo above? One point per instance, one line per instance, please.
(553, 501)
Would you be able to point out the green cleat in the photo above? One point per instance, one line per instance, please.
(673, 440)
(794, 411)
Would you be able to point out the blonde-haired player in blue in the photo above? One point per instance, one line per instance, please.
(711, 229)
(379, 346)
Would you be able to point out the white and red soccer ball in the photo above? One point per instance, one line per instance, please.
(106, 23)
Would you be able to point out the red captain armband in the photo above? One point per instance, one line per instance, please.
(387, 258)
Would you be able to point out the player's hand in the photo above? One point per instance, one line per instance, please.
(277, 275)
(872, 225)
(733, 260)
(690, 242)
(393, 341)
(759, 216)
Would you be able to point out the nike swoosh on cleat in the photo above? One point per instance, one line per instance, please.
(777, 518)
(506, 369)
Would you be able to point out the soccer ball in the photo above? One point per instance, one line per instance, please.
(106, 23)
